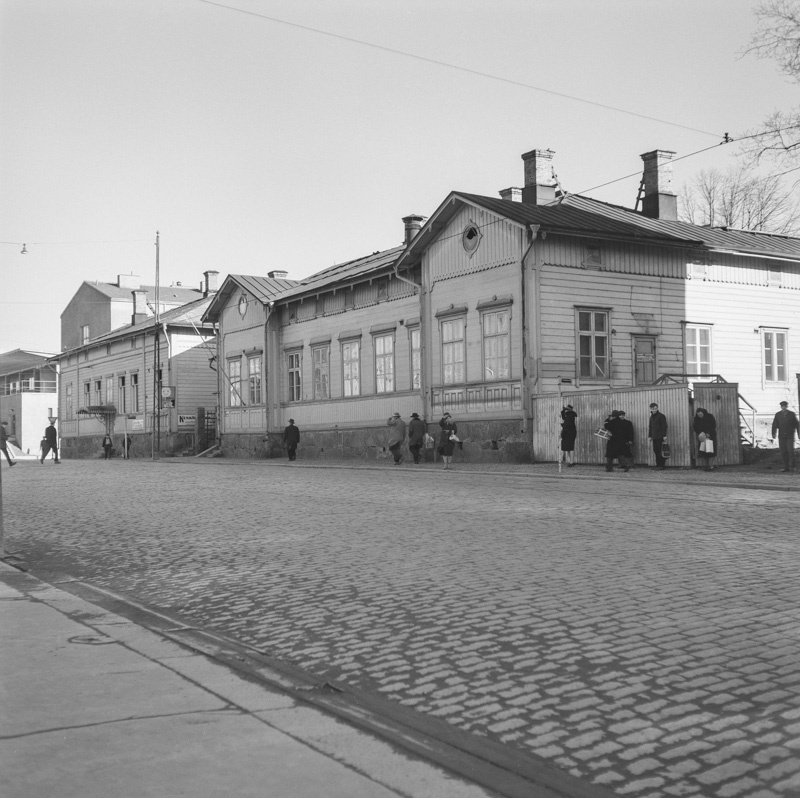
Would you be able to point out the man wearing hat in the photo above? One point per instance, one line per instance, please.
(291, 437)
(396, 437)
(786, 424)
(619, 445)
(657, 432)
(416, 436)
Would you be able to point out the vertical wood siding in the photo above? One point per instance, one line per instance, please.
(593, 407)
(721, 400)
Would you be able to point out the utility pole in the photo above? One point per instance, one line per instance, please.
(156, 439)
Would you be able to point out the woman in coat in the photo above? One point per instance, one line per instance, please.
(446, 444)
(705, 427)
(569, 431)
(619, 445)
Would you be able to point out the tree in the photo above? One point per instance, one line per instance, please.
(741, 199)
(777, 37)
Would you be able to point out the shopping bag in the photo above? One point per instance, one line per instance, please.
(666, 452)
(707, 446)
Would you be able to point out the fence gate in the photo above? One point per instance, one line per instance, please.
(721, 399)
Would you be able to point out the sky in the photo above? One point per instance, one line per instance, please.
(295, 134)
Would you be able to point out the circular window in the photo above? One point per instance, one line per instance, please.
(242, 305)
(471, 237)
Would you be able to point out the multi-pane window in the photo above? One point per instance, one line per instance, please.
(87, 394)
(109, 390)
(295, 384)
(68, 407)
(351, 371)
(321, 358)
(384, 363)
(416, 359)
(98, 392)
(123, 395)
(453, 351)
(774, 355)
(593, 355)
(84, 333)
(254, 378)
(496, 345)
(134, 393)
(234, 383)
(698, 349)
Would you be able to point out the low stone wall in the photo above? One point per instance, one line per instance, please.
(482, 442)
(90, 446)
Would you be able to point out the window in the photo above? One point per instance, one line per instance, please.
(68, 408)
(593, 354)
(351, 372)
(321, 358)
(87, 394)
(123, 395)
(453, 351)
(295, 384)
(84, 333)
(109, 390)
(698, 349)
(496, 347)
(254, 378)
(416, 359)
(134, 393)
(234, 383)
(98, 392)
(384, 363)
(774, 345)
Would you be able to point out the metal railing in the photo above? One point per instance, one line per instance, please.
(28, 386)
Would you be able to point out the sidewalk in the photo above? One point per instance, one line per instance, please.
(94, 705)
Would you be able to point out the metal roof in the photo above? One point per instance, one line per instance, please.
(166, 293)
(265, 289)
(21, 360)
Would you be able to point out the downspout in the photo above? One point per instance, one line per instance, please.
(423, 337)
(267, 374)
(526, 389)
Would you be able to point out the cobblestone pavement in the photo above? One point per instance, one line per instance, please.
(639, 631)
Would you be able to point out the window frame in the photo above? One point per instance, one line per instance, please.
(68, 401)
(695, 327)
(774, 366)
(593, 335)
(458, 345)
(134, 392)
(351, 367)
(415, 356)
(234, 392)
(486, 314)
(321, 382)
(386, 358)
(255, 380)
(109, 380)
(122, 393)
(294, 375)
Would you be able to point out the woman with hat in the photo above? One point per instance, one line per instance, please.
(705, 427)
(416, 436)
(620, 442)
(446, 442)
(569, 431)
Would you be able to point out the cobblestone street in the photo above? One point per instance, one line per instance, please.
(641, 634)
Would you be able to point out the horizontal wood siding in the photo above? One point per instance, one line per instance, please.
(593, 407)
(195, 382)
(352, 413)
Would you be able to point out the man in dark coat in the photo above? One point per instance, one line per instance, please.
(657, 432)
(785, 424)
(416, 436)
(50, 443)
(619, 445)
(291, 437)
(4, 443)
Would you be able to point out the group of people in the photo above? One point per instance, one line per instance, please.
(414, 433)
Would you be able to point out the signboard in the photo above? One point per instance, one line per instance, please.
(167, 396)
(137, 424)
(188, 420)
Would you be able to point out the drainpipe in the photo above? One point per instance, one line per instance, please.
(423, 338)
(526, 391)
(266, 371)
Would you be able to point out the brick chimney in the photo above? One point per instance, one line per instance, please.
(659, 201)
(210, 282)
(128, 281)
(278, 274)
(540, 184)
(140, 310)
(413, 224)
(512, 194)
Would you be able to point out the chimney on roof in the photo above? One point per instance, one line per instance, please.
(412, 224)
(659, 201)
(128, 281)
(140, 310)
(278, 274)
(540, 182)
(512, 194)
(210, 282)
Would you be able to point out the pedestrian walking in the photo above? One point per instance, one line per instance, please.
(397, 436)
(291, 438)
(416, 436)
(785, 424)
(50, 443)
(620, 442)
(657, 432)
(107, 445)
(569, 432)
(448, 437)
(705, 427)
(4, 443)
